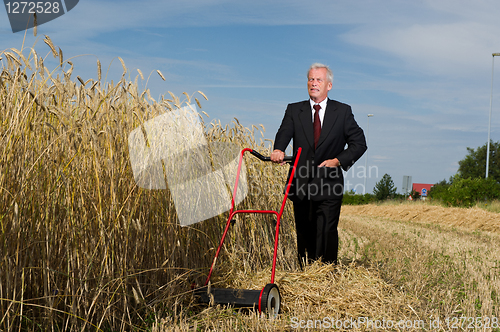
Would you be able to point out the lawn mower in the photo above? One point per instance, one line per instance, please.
(267, 300)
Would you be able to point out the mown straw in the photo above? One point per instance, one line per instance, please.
(469, 218)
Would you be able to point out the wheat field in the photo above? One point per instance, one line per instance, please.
(83, 248)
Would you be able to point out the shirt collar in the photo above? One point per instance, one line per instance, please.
(322, 103)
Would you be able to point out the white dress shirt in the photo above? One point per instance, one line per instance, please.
(321, 111)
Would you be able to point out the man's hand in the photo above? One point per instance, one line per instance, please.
(330, 163)
(277, 156)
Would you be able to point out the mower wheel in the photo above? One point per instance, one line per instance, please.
(270, 300)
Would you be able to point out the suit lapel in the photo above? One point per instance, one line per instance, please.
(328, 121)
(305, 117)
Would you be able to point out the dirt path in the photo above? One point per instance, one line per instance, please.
(471, 218)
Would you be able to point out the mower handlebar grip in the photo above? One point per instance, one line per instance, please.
(264, 158)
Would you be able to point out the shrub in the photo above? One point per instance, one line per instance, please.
(466, 192)
(440, 191)
(351, 198)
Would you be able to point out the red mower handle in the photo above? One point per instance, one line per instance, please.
(287, 159)
(233, 212)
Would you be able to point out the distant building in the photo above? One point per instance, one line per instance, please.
(423, 189)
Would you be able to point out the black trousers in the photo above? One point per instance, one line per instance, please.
(316, 224)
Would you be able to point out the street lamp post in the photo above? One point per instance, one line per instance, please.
(366, 154)
(489, 122)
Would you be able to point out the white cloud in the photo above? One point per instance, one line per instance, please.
(439, 49)
(444, 37)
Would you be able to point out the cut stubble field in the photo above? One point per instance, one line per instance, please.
(446, 258)
(407, 266)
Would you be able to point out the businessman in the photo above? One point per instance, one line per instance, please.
(331, 140)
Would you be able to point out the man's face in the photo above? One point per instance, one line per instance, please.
(317, 84)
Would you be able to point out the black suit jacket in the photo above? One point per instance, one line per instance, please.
(339, 128)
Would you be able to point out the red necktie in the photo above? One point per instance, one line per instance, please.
(316, 125)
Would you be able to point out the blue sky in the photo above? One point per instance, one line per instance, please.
(423, 68)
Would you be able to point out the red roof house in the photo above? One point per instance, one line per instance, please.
(422, 188)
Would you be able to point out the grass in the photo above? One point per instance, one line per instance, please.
(493, 206)
(84, 248)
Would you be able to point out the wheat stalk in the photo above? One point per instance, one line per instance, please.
(159, 73)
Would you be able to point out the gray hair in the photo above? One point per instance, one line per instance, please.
(317, 65)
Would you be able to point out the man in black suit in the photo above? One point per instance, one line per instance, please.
(321, 127)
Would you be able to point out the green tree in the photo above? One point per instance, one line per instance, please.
(440, 190)
(384, 188)
(474, 163)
